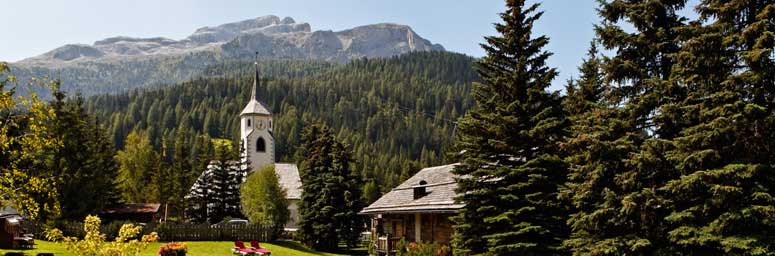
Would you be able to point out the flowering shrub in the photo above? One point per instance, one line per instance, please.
(173, 249)
(422, 249)
(94, 243)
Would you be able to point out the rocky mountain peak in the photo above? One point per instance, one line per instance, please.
(270, 35)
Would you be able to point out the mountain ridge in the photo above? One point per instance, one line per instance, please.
(278, 38)
(121, 63)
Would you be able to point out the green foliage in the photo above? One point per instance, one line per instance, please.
(263, 200)
(396, 112)
(94, 243)
(421, 249)
(620, 130)
(371, 192)
(138, 164)
(511, 166)
(722, 202)
(215, 194)
(24, 139)
(331, 192)
(84, 164)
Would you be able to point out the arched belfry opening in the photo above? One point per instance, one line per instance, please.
(260, 145)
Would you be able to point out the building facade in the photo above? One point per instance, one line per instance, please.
(258, 148)
(418, 210)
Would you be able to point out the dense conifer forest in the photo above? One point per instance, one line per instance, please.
(398, 114)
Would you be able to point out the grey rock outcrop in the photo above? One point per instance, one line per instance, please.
(163, 60)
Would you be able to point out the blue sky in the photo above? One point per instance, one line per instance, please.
(33, 27)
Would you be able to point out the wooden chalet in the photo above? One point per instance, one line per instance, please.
(418, 210)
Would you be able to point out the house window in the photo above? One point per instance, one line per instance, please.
(260, 145)
(248, 122)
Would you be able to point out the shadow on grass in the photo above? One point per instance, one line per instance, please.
(299, 247)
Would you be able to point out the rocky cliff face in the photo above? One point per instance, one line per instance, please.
(271, 36)
(122, 63)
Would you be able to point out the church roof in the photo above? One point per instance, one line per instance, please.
(289, 179)
(254, 106)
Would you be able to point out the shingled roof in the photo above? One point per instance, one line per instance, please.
(289, 179)
(255, 107)
(133, 208)
(439, 197)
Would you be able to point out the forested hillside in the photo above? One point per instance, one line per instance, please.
(397, 113)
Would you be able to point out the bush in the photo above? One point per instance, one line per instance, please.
(173, 249)
(94, 242)
(422, 249)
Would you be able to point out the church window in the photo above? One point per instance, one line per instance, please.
(248, 122)
(260, 145)
(270, 124)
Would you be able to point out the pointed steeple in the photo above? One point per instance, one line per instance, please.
(256, 81)
(254, 106)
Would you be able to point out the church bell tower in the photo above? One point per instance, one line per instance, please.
(256, 127)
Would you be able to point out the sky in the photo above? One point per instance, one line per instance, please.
(33, 27)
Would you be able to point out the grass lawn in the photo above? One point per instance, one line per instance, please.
(279, 248)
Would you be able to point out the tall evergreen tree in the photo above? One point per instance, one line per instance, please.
(84, 163)
(226, 177)
(347, 184)
(722, 203)
(331, 191)
(617, 208)
(511, 164)
(198, 199)
(595, 146)
(317, 227)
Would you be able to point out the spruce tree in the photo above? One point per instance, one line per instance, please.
(348, 184)
(225, 181)
(331, 191)
(595, 146)
(511, 167)
(317, 227)
(622, 162)
(722, 203)
(84, 163)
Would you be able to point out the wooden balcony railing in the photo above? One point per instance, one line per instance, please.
(387, 245)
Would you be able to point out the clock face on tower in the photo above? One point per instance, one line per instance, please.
(260, 124)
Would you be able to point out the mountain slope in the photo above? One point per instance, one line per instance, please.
(120, 63)
(397, 113)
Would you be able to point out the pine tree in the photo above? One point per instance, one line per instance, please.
(722, 203)
(617, 208)
(347, 183)
(371, 192)
(317, 225)
(331, 191)
(84, 163)
(510, 162)
(594, 147)
(198, 199)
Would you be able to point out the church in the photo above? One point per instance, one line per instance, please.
(258, 150)
(256, 134)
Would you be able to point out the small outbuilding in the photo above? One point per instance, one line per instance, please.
(136, 212)
(12, 233)
(418, 210)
